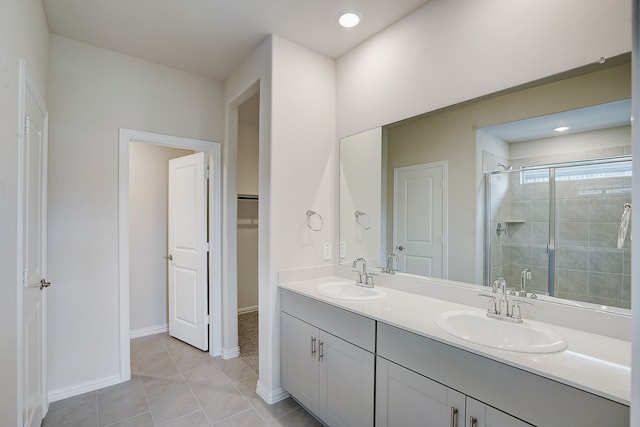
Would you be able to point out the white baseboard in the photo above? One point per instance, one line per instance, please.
(150, 330)
(271, 396)
(230, 353)
(75, 390)
(248, 309)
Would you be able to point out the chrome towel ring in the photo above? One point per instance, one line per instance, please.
(366, 223)
(313, 224)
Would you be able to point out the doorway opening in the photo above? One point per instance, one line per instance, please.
(247, 185)
(134, 225)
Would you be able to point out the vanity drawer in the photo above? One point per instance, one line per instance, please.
(351, 327)
(532, 398)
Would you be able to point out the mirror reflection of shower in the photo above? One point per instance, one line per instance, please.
(563, 225)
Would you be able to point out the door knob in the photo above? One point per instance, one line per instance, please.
(44, 284)
(400, 248)
(170, 257)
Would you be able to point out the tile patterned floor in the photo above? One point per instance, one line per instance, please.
(175, 385)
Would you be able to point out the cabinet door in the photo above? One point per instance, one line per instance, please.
(481, 415)
(299, 361)
(346, 383)
(404, 398)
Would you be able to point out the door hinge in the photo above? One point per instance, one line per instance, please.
(207, 319)
(207, 172)
(207, 246)
(27, 125)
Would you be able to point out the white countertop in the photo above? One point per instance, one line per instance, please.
(594, 363)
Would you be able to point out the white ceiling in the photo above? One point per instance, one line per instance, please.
(603, 116)
(211, 37)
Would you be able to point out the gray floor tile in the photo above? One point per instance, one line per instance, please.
(159, 365)
(176, 385)
(296, 418)
(72, 409)
(219, 398)
(197, 419)
(142, 420)
(248, 389)
(245, 419)
(236, 369)
(121, 401)
(195, 366)
(169, 399)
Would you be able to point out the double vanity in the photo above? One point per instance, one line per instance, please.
(365, 356)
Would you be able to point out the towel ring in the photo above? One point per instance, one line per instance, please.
(311, 214)
(359, 215)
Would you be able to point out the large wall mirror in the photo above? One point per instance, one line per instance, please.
(530, 184)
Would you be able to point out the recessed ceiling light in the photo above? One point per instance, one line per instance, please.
(561, 128)
(349, 19)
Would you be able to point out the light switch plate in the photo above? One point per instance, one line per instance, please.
(343, 249)
(326, 252)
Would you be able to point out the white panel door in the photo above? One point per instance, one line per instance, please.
(34, 261)
(418, 219)
(188, 313)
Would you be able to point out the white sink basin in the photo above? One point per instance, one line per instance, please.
(349, 291)
(476, 327)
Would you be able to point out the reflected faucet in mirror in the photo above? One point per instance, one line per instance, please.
(392, 259)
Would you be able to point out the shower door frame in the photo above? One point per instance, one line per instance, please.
(551, 245)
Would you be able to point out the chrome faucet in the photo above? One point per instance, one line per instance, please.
(390, 262)
(500, 307)
(364, 279)
(526, 274)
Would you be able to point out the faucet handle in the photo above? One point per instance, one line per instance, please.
(515, 311)
(370, 279)
(359, 275)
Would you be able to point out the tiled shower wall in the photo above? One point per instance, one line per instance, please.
(589, 267)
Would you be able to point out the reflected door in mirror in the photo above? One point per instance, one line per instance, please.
(418, 231)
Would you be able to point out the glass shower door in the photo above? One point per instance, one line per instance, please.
(518, 228)
(590, 200)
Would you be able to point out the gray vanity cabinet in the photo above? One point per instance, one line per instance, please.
(404, 398)
(510, 394)
(299, 361)
(481, 415)
(331, 376)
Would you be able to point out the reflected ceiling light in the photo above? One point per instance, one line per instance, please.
(349, 19)
(561, 128)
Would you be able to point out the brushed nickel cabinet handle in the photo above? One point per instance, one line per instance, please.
(313, 347)
(473, 421)
(454, 416)
(321, 354)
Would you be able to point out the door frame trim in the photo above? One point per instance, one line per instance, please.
(127, 136)
(445, 206)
